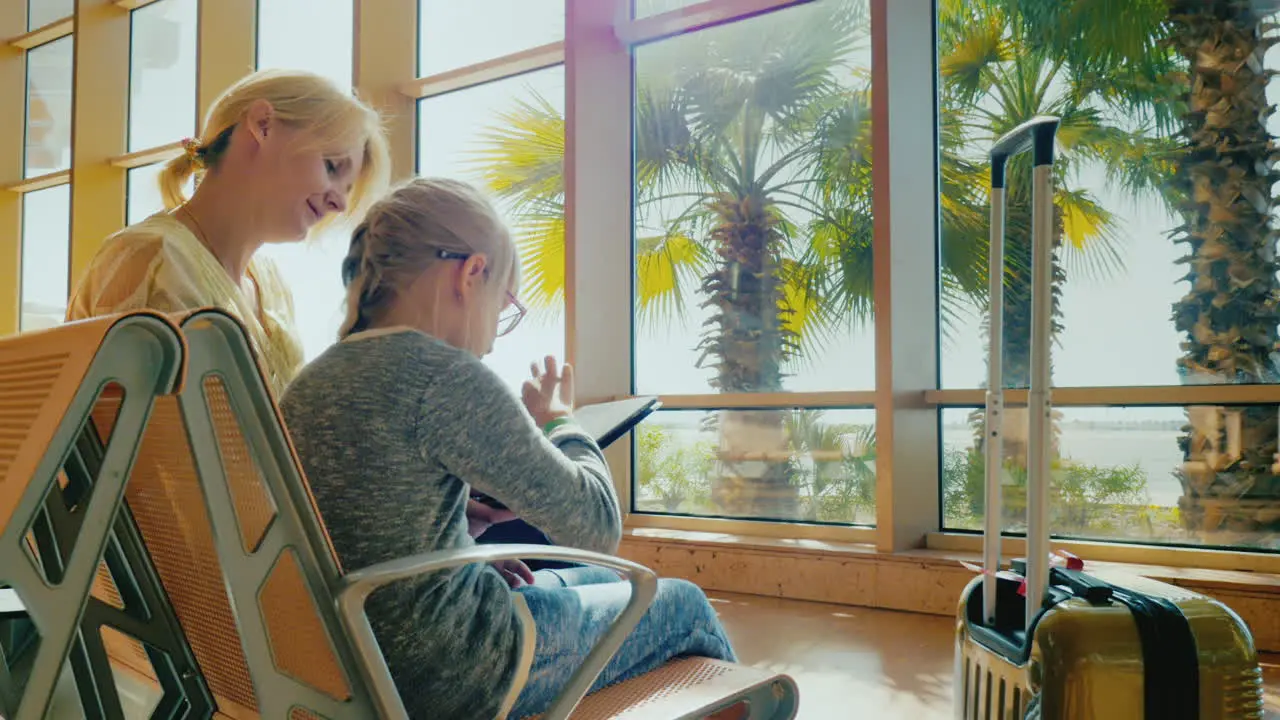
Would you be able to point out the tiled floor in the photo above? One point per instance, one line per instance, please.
(863, 663)
(849, 662)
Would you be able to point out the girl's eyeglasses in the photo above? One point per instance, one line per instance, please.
(511, 315)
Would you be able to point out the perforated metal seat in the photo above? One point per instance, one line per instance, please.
(691, 688)
(237, 606)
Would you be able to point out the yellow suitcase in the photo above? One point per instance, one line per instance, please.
(1038, 641)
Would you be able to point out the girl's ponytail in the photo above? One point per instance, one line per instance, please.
(363, 281)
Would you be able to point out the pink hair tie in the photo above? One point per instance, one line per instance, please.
(193, 149)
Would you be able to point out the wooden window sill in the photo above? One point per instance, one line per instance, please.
(923, 581)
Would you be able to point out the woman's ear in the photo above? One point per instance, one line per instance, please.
(258, 120)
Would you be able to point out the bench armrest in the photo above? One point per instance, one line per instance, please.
(357, 586)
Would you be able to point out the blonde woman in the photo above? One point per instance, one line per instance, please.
(282, 153)
(399, 422)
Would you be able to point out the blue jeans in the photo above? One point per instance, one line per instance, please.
(572, 609)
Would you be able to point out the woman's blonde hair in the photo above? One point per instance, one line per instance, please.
(333, 121)
(405, 232)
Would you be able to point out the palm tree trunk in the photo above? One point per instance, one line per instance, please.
(746, 342)
(1230, 312)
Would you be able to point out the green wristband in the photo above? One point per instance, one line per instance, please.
(546, 429)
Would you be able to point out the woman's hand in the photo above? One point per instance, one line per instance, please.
(515, 572)
(480, 517)
(549, 394)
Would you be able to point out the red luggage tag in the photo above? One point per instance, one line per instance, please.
(1073, 561)
(1070, 561)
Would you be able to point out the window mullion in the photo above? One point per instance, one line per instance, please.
(386, 49)
(13, 83)
(598, 210)
(905, 169)
(100, 112)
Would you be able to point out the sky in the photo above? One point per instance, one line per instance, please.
(1118, 329)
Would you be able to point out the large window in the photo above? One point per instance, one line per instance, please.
(1165, 265)
(453, 35)
(49, 72)
(46, 236)
(507, 137)
(162, 94)
(142, 192)
(44, 256)
(43, 12)
(691, 188)
(753, 264)
(162, 73)
(313, 35)
(645, 8)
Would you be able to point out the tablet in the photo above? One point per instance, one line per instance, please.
(608, 421)
(605, 422)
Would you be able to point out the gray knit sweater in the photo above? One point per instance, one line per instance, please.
(393, 429)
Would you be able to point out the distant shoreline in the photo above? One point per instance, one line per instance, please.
(1168, 425)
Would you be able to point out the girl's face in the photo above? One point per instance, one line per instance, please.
(482, 306)
(502, 320)
(455, 300)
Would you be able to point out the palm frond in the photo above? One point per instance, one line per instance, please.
(972, 42)
(665, 153)
(806, 311)
(540, 241)
(1089, 241)
(521, 157)
(1138, 162)
(668, 268)
(955, 303)
(838, 264)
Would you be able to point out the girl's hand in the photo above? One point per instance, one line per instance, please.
(549, 394)
(480, 517)
(515, 572)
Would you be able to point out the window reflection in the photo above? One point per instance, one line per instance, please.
(162, 73)
(46, 257)
(48, 126)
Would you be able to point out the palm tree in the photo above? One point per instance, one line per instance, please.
(756, 167)
(1195, 68)
(833, 463)
(994, 78)
(670, 472)
(839, 477)
(1230, 314)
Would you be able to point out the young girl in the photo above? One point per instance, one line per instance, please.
(282, 152)
(398, 422)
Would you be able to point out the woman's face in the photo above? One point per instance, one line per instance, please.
(298, 186)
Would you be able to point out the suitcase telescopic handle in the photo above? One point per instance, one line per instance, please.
(1036, 135)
